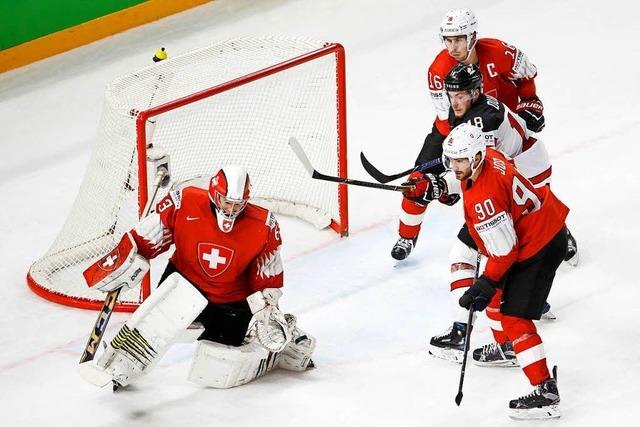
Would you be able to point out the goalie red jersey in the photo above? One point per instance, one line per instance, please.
(507, 74)
(226, 267)
(509, 219)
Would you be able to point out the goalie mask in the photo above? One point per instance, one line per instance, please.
(464, 142)
(229, 192)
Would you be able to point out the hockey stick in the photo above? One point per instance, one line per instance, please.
(299, 152)
(467, 340)
(383, 178)
(110, 301)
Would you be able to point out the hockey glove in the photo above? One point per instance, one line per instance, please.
(479, 294)
(272, 329)
(530, 110)
(427, 188)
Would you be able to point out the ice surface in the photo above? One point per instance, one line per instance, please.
(372, 319)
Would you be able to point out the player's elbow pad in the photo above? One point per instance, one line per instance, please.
(123, 267)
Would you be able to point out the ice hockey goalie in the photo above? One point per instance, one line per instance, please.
(226, 270)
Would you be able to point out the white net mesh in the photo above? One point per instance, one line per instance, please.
(248, 125)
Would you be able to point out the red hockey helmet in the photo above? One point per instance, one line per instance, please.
(229, 191)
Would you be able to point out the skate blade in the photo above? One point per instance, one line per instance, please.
(549, 315)
(499, 364)
(574, 260)
(450, 355)
(548, 412)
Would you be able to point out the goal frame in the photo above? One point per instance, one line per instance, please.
(341, 226)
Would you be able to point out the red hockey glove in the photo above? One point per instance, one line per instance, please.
(427, 188)
(479, 294)
(531, 112)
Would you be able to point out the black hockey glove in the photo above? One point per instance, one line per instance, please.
(428, 188)
(531, 112)
(449, 199)
(479, 294)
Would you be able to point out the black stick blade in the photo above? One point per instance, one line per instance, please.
(377, 175)
(458, 398)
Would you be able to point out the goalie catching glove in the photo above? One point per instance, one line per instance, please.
(271, 326)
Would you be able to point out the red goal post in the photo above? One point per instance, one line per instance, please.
(298, 89)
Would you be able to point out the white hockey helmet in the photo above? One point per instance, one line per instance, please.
(464, 142)
(229, 191)
(460, 22)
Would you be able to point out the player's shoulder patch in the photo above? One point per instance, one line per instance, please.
(271, 220)
(176, 196)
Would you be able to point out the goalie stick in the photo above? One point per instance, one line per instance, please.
(383, 178)
(110, 301)
(299, 152)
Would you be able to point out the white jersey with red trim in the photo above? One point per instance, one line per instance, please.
(508, 133)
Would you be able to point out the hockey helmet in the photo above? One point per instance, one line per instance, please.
(463, 77)
(229, 191)
(460, 22)
(464, 142)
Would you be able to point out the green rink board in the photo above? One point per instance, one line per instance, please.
(25, 20)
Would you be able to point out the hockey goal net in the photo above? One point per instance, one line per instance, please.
(237, 102)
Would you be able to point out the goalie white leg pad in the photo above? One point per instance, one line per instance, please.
(224, 366)
(152, 329)
(191, 334)
(296, 356)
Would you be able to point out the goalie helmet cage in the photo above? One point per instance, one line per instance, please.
(236, 102)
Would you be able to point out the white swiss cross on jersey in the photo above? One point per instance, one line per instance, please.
(214, 259)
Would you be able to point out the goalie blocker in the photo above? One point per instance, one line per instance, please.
(123, 267)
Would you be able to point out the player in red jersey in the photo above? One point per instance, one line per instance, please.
(504, 131)
(226, 269)
(521, 231)
(507, 75)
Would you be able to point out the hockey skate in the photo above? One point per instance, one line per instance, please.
(403, 248)
(496, 355)
(449, 345)
(571, 256)
(547, 314)
(541, 403)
